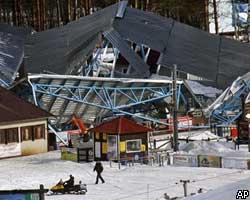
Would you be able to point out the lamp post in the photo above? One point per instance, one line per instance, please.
(247, 116)
(175, 119)
(248, 137)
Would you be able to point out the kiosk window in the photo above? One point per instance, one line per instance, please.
(133, 146)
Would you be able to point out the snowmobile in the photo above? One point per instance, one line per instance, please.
(60, 188)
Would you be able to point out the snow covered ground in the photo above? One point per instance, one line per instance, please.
(228, 192)
(138, 182)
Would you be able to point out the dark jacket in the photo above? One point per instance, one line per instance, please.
(70, 182)
(98, 167)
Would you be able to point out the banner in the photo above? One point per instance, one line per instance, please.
(98, 149)
(183, 123)
(234, 163)
(185, 160)
(69, 154)
(209, 161)
(112, 147)
(20, 197)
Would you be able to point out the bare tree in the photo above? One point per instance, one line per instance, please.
(44, 14)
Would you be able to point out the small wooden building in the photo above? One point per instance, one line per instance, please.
(120, 139)
(23, 126)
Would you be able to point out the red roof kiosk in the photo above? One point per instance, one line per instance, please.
(121, 139)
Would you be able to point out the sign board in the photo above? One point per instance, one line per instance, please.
(185, 160)
(183, 123)
(209, 161)
(197, 113)
(85, 154)
(69, 154)
(234, 132)
(97, 150)
(33, 196)
(235, 163)
(112, 147)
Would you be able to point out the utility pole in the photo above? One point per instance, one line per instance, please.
(174, 100)
(118, 144)
(185, 182)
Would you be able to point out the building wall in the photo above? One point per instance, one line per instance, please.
(25, 147)
(10, 150)
(34, 147)
(142, 155)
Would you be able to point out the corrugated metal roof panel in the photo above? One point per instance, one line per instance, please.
(11, 52)
(121, 9)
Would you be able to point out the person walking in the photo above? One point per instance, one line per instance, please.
(99, 169)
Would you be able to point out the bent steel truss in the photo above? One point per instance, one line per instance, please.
(91, 97)
(229, 106)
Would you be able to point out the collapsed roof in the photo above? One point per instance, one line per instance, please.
(228, 107)
(199, 89)
(11, 52)
(62, 105)
(63, 50)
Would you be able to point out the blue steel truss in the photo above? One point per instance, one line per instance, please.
(110, 98)
(230, 109)
(4, 83)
